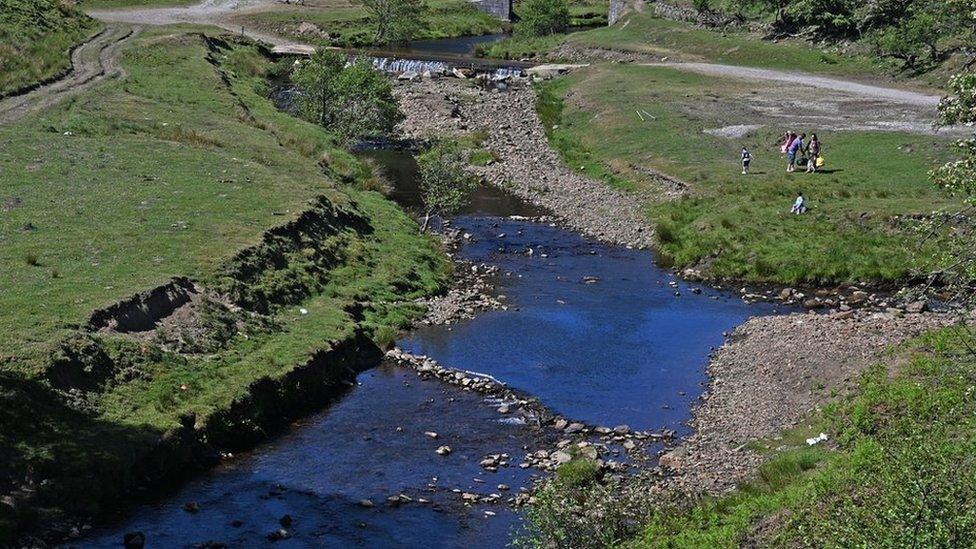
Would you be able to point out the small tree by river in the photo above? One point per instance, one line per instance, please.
(351, 101)
(445, 186)
(395, 20)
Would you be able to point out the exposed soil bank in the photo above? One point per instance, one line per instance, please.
(771, 373)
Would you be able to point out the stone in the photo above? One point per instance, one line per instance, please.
(278, 534)
(560, 424)
(134, 540)
(285, 521)
(916, 307)
(858, 297)
(812, 303)
(574, 428)
(621, 429)
(561, 457)
(431, 434)
(191, 507)
(787, 293)
(443, 450)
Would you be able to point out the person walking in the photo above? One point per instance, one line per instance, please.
(791, 152)
(746, 160)
(813, 153)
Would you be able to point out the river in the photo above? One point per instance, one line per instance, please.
(621, 350)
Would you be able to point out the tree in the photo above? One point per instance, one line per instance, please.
(352, 101)
(914, 32)
(542, 17)
(396, 20)
(955, 272)
(445, 185)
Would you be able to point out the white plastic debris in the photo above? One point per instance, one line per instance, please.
(303, 310)
(822, 437)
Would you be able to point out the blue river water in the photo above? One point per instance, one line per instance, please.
(595, 331)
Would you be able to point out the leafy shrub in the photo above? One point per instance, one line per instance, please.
(350, 101)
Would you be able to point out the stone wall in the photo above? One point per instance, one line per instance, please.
(616, 11)
(502, 9)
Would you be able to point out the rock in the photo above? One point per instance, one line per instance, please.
(560, 424)
(895, 312)
(857, 298)
(285, 521)
(629, 445)
(574, 428)
(366, 503)
(278, 535)
(236, 523)
(503, 409)
(191, 507)
(412, 76)
(916, 307)
(621, 429)
(787, 293)
(443, 450)
(672, 459)
(431, 434)
(134, 540)
(812, 303)
(503, 487)
(561, 457)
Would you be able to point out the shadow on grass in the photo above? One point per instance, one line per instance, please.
(56, 457)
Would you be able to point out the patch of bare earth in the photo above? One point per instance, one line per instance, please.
(772, 373)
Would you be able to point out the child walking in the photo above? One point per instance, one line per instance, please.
(746, 159)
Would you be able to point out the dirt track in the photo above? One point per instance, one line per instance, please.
(208, 12)
(92, 62)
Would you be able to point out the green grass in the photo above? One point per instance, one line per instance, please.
(171, 171)
(739, 226)
(348, 24)
(118, 4)
(35, 39)
(901, 473)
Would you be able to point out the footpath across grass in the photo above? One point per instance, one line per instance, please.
(35, 39)
(168, 172)
(734, 226)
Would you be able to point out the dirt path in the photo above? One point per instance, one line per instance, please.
(91, 63)
(208, 12)
(879, 93)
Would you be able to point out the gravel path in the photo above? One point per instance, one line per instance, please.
(772, 373)
(879, 93)
(527, 166)
(91, 62)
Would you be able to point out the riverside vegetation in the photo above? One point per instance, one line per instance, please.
(177, 172)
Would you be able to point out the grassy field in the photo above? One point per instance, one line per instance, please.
(898, 473)
(738, 226)
(35, 39)
(113, 4)
(170, 172)
(346, 22)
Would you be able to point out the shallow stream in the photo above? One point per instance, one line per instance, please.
(618, 349)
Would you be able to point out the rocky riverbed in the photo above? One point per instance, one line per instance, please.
(772, 373)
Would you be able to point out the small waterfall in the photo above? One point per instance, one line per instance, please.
(395, 65)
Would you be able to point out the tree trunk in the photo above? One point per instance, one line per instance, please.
(423, 227)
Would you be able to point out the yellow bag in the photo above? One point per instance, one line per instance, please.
(820, 162)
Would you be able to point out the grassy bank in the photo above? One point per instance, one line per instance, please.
(345, 22)
(35, 39)
(738, 226)
(896, 472)
(173, 171)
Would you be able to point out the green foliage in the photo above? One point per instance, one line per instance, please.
(395, 20)
(35, 39)
(579, 472)
(445, 185)
(703, 6)
(542, 17)
(915, 34)
(352, 101)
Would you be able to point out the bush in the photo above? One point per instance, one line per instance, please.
(445, 185)
(578, 472)
(350, 101)
(542, 17)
